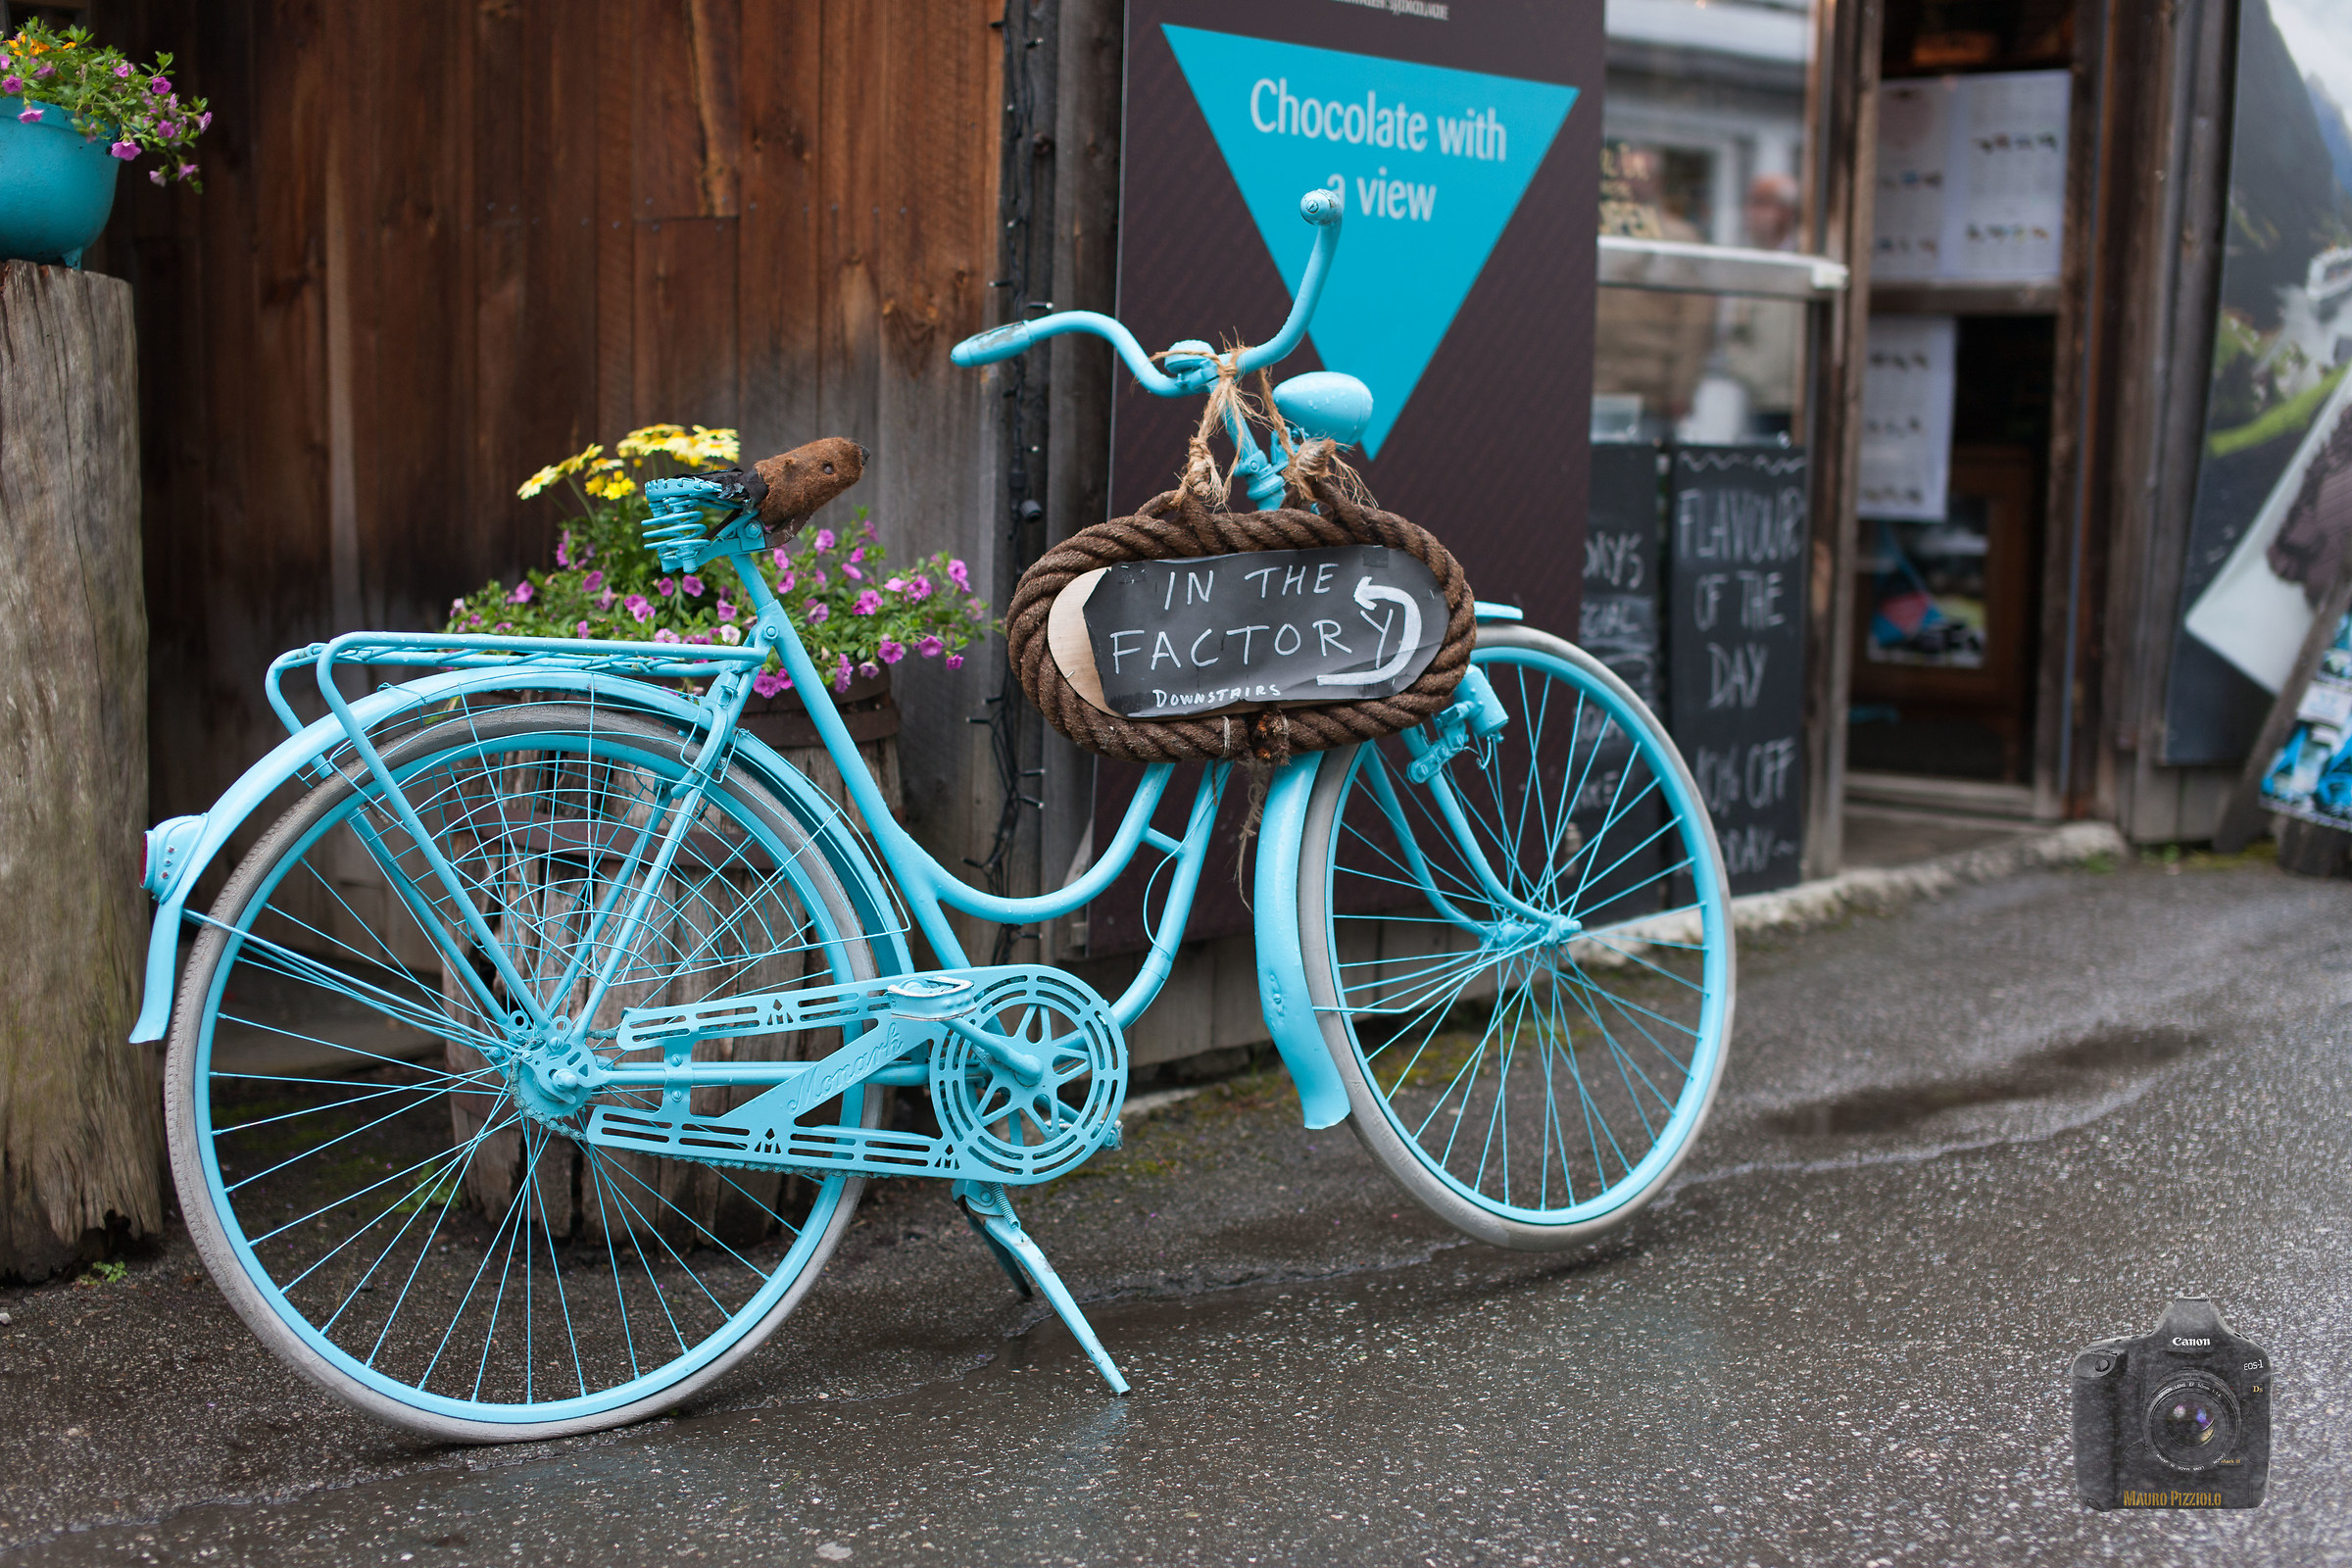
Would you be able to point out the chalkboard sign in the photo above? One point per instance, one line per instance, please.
(1735, 536)
(1173, 639)
(1618, 623)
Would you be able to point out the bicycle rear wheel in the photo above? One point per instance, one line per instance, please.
(362, 1179)
(1529, 1090)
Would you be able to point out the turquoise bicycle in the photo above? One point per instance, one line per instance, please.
(525, 1072)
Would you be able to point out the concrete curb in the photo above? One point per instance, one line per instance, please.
(1876, 889)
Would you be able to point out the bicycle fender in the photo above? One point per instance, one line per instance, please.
(180, 850)
(1281, 965)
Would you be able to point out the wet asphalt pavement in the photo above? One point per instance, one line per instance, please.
(1955, 1143)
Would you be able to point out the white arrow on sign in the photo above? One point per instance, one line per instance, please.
(1406, 644)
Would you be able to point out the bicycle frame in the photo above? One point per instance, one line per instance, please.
(178, 850)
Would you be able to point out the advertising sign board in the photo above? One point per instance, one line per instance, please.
(1463, 137)
(1464, 142)
(2273, 515)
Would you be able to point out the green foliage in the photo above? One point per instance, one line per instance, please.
(854, 612)
(107, 1272)
(104, 94)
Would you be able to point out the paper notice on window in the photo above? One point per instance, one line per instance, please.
(1907, 384)
(1972, 178)
(2008, 214)
(1915, 135)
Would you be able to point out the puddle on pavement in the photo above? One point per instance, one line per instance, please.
(2104, 1059)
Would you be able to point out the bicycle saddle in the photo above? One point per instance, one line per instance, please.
(789, 487)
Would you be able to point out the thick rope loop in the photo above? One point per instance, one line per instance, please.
(1179, 525)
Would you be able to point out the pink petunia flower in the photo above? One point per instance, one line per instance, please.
(166, 128)
(840, 674)
(919, 590)
(955, 661)
(766, 684)
(857, 555)
(564, 548)
(784, 583)
(867, 602)
(824, 538)
(691, 584)
(640, 607)
(204, 122)
(930, 647)
(124, 149)
(188, 170)
(662, 634)
(123, 71)
(780, 556)
(816, 576)
(727, 609)
(896, 585)
(816, 615)
(868, 670)
(851, 572)
(730, 635)
(594, 582)
(581, 630)
(12, 85)
(155, 176)
(889, 652)
(605, 599)
(666, 586)
(960, 575)
(32, 116)
(521, 594)
(158, 86)
(697, 637)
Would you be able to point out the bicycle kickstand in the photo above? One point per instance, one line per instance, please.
(989, 1213)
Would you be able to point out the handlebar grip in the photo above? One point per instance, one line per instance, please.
(996, 343)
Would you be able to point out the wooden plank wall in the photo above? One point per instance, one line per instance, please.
(443, 243)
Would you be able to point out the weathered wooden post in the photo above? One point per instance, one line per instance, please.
(80, 1113)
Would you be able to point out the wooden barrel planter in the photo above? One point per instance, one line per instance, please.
(734, 892)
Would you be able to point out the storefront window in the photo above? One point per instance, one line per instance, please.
(1705, 125)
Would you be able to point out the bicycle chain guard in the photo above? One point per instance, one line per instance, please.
(1005, 1045)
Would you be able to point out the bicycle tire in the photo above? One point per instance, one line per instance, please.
(528, 803)
(1431, 1034)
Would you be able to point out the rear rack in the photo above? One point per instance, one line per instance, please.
(453, 651)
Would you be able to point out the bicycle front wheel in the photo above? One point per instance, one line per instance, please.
(393, 1211)
(1522, 967)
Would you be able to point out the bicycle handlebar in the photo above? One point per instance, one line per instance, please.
(1319, 207)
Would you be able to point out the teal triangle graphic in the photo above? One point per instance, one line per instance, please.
(1430, 163)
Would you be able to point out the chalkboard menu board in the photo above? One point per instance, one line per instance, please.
(1619, 624)
(1736, 539)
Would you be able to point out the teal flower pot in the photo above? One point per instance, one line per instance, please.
(56, 189)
